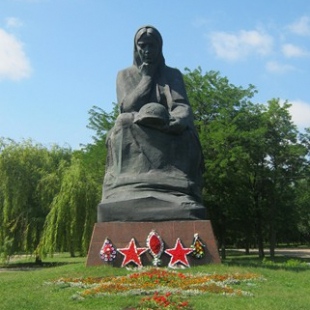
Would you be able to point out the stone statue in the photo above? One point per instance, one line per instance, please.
(154, 163)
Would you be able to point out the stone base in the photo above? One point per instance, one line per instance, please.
(120, 234)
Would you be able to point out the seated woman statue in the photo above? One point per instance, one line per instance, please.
(154, 163)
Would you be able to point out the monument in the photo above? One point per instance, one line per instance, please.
(153, 177)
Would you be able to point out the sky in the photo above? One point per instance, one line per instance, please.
(59, 58)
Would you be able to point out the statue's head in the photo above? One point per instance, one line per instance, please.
(148, 45)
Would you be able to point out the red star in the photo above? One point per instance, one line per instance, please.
(178, 254)
(132, 253)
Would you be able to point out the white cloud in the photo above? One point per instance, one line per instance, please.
(14, 64)
(300, 112)
(301, 26)
(290, 50)
(276, 67)
(240, 45)
(13, 22)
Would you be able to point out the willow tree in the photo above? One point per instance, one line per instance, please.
(69, 224)
(28, 174)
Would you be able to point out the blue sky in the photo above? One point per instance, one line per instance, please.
(58, 58)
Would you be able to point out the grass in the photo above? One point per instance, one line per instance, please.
(24, 287)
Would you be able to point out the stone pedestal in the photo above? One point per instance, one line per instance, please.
(120, 234)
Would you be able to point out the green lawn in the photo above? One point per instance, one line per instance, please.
(286, 285)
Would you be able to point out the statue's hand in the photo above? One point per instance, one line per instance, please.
(147, 69)
(176, 126)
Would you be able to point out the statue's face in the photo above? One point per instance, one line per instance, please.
(148, 49)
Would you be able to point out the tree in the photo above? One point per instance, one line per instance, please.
(216, 106)
(101, 121)
(252, 159)
(69, 224)
(303, 192)
(26, 191)
(284, 161)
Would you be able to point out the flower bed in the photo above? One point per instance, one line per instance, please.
(159, 280)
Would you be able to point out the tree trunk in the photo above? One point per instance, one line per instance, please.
(259, 235)
(261, 253)
(258, 228)
(223, 237)
(247, 247)
(223, 251)
(38, 260)
(272, 241)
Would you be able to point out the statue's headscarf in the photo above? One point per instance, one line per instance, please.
(149, 30)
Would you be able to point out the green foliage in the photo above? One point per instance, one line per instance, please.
(93, 157)
(303, 209)
(252, 160)
(6, 249)
(69, 224)
(221, 111)
(303, 192)
(101, 121)
(48, 197)
(212, 95)
(29, 181)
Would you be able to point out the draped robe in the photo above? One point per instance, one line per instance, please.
(154, 163)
